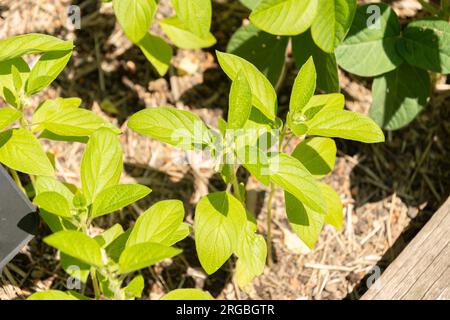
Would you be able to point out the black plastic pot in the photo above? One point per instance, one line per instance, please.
(18, 219)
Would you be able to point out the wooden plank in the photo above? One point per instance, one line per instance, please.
(422, 270)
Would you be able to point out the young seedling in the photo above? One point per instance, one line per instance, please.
(254, 137)
(58, 119)
(188, 29)
(112, 256)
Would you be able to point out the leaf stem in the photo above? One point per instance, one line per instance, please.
(16, 179)
(269, 225)
(95, 283)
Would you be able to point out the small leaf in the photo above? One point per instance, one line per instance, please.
(304, 87)
(317, 155)
(17, 46)
(240, 102)
(48, 67)
(195, 14)
(426, 44)
(188, 294)
(8, 116)
(135, 17)
(182, 37)
(398, 96)
(179, 128)
(135, 287)
(116, 197)
(334, 214)
(143, 255)
(53, 203)
(264, 96)
(50, 184)
(291, 175)
(77, 245)
(371, 51)
(48, 107)
(265, 51)
(21, 151)
(284, 17)
(219, 221)
(8, 82)
(158, 224)
(157, 51)
(101, 165)
(52, 295)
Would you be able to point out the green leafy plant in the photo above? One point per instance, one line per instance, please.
(254, 137)
(400, 60)
(114, 255)
(58, 119)
(188, 29)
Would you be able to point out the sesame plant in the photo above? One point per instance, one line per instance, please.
(110, 258)
(255, 138)
(188, 29)
(22, 125)
(401, 60)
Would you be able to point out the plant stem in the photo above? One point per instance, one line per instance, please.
(16, 178)
(269, 225)
(95, 284)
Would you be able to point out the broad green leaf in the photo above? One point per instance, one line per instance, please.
(75, 268)
(284, 17)
(77, 245)
(305, 222)
(48, 107)
(158, 224)
(17, 78)
(256, 162)
(18, 46)
(335, 101)
(116, 197)
(332, 22)
(334, 214)
(157, 51)
(135, 287)
(48, 67)
(180, 233)
(143, 255)
(53, 203)
(304, 87)
(56, 223)
(101, 165)
(290, 174)
(8, 116)
(182, 37)
(317, 155)
(264, 50)
(52, 295)
(251, 4)
(21, 151)
(345, 124)
(135, 17)
(264, 96)
(108, 236)
(8, 90)
(398, 96)
(371, 51)
(50, 184)
(252, 254)
(240, 102)
(73, 122)
(426, 44)
(115, 248)
(188, 294)
(219, 222)
(179, 128)
(195, 14)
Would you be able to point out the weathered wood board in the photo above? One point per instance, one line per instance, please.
(422, 270)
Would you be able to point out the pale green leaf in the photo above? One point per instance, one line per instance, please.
(157, 51)
(108, 236)
(334, 214)
(53, 203)
(284, 17)
(50, 184)
(135, 287)
(219, 222)
(179, 128)
(52, 295)
(332, 23)
(182, 37)
(290, 174)
(304, 87)
(251, 4)
(398, 96)
(8, 89)
(75, 268)
(135, 17)
(116, 197)
(48, 107)
(317, 155)
(240, 102)
(101, 165)
(371, 51)
(77, 245)
(8, 116)
(158, 224)
(21, 151)
(195, 14)
(264, 96)
(188, 294)
(143, 255)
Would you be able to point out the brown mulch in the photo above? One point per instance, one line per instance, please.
(388, 190)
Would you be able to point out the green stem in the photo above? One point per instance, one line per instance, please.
(236, 189)
(95, 283)
(16, 178)
(269, 225)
